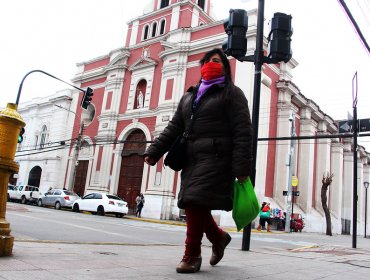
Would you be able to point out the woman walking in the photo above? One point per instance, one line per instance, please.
(219, 149)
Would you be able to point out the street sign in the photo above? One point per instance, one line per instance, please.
(345, 126)
(364, 125)
(294, 193)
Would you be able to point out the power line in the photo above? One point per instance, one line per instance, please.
(353, 21)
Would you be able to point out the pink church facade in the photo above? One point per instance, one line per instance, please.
(136, 91)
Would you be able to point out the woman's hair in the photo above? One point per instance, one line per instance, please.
(227, 69)
(263, 205)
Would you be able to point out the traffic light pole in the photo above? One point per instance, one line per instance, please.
(290, 197)
(258, 62)
(43, 72)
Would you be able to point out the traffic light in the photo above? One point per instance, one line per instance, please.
(279, 38)
(20, 136)
(236, 27)
(87, 98)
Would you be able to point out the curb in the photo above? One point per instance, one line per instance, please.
(178, 223)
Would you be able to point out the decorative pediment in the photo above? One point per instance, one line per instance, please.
(144, 61)
(119, 59)
(168, 46)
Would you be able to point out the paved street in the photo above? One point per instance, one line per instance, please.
(272, 256)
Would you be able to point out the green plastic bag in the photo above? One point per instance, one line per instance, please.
(246, 207)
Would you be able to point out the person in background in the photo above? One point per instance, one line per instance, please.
(219, 149)
(140, 200)
(265, 213)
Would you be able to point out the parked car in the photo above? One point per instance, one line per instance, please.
(58, 198)
(11, 192)
(25, 194)
(101, 203)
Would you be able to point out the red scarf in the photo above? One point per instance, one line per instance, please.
(211, 70)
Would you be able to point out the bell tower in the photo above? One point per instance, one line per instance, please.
(163, 16)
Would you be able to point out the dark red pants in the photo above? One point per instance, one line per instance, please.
(198, 221)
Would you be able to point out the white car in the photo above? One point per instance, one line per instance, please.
(24, 194)
(101, 203)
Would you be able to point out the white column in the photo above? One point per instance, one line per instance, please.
(336, 187)
(322, 164)
(347, 186)
(306, 162)
(282, 151)
(263, 132)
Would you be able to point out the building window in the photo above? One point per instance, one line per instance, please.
(162, 26)
(164, 3)
(201, 3)
(140, 95)
(154, 29)
(146, 32)
(43, 136)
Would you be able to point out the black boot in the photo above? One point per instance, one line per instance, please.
(219, 248)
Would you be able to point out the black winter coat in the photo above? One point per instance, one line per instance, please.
(219, 146)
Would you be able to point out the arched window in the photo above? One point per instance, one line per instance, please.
(162, 26)
(146, 32)
(44, 134)
(164, 3)
(140, 95)
(201, 3)
(154, 29)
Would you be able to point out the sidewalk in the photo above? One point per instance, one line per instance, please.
(53, 260)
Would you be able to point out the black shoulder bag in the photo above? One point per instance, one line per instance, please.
(176, 156)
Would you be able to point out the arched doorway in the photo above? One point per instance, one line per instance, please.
(35, 176)
(81, 169)
(132, 165)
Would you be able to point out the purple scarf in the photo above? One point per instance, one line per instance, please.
(205, 85)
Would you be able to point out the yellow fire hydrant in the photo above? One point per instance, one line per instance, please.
(10, 124)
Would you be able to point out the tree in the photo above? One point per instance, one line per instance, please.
(326, 181)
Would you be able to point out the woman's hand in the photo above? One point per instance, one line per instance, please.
(149, 160)
(241, 179)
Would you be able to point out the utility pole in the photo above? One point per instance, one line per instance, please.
(77, 149)
(258, 62)
(289, 209)
(75, 157)
(355, 132)
(236, 45)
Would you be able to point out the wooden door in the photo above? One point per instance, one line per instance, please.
(132, 165)
(80, 177)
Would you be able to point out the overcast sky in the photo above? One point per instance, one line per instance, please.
(55, 35)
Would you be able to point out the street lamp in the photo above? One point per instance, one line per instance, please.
(366, 185)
